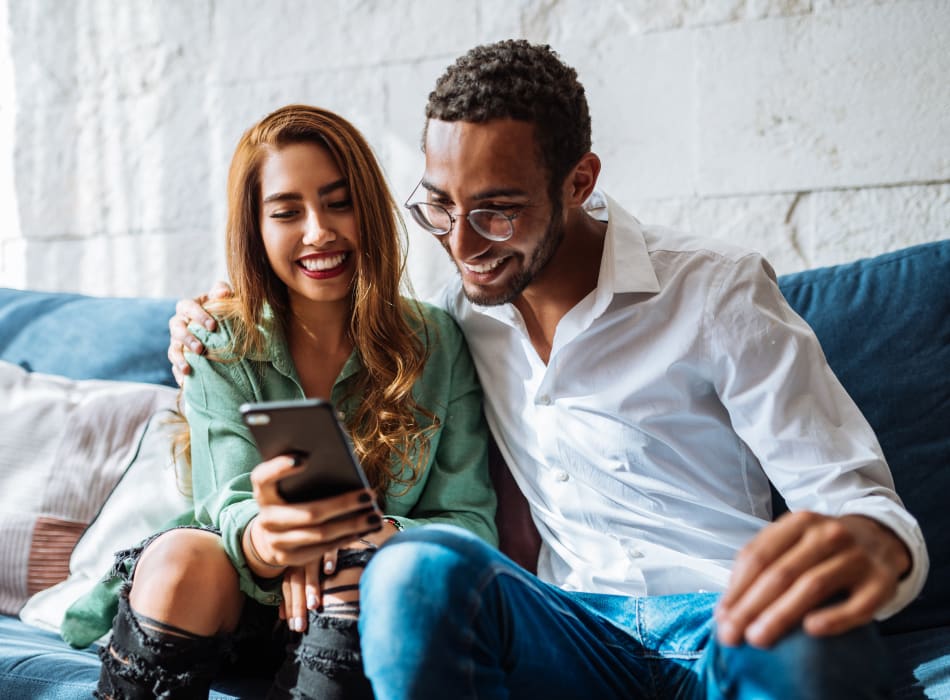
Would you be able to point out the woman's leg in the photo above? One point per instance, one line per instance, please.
(324, 663)
(171, 629)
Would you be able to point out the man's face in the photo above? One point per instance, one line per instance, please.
(492, 165)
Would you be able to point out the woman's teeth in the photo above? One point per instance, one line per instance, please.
(323, 263)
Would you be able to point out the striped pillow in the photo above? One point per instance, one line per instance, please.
(63, 446)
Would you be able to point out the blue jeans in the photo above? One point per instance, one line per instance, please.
(445, 615)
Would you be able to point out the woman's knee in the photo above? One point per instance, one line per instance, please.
(185, 575)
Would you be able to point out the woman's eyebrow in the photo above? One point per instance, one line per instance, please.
(296, 196)
(282, 197)
(335, 185)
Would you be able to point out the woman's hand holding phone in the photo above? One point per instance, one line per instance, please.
(296, 534)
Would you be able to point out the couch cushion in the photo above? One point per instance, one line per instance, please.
(35, 663)
(124, 520)
(63, 446)
(884, 324)
(85, 337)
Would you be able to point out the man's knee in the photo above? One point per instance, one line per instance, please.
(423, 561)
(802, 665)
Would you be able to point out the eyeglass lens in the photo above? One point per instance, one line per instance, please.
(490, 224)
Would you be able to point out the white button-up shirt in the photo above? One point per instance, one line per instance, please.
(673, 393)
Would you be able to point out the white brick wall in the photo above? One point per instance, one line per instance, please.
(813, 130)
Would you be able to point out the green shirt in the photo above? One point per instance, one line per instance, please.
(453, 486)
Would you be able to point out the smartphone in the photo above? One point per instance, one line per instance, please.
(309, 429)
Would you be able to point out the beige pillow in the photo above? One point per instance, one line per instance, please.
(125, 520)
(64, 444)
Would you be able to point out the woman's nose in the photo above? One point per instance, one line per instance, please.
(317, 231)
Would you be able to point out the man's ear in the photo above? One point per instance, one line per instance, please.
(581, 181)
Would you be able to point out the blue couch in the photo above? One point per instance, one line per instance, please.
(884, 324)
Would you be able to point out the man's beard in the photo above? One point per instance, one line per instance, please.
(523, 278)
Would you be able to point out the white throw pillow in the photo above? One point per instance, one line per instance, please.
(145, 499)
(64, 444)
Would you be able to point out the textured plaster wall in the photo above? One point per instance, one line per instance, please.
(816, 131)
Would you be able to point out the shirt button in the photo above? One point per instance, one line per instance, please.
(340, 415)
(634, 553)
(561, 475)
(544, 400)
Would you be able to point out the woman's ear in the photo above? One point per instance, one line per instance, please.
(581, 181)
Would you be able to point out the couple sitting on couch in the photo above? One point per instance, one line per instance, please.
(645, 389)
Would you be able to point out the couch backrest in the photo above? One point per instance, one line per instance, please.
(83, 337)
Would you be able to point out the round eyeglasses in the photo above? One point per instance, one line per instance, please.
(488, 223)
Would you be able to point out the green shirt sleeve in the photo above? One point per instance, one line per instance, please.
(223, 452)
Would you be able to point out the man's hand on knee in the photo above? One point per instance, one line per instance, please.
(789, 572)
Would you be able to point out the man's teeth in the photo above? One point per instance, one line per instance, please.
(487, 267)
(324, 263)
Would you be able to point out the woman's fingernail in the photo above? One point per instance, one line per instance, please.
(312, 601)
(365, 497)
(373, 519)
(209, 324)
(328, 567)
(195, 346)
(298, 624)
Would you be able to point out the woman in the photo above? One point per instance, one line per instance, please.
(315, 260)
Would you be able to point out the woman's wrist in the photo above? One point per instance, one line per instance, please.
(255, 560)
(398, 526)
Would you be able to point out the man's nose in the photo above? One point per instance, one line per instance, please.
(464, 241)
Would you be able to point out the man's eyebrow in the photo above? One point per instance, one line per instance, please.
(296, 196)
(478, 196)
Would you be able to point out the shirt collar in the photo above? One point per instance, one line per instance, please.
(625, 265)
(277, 350)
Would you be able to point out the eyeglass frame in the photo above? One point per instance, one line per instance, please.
(416, 214)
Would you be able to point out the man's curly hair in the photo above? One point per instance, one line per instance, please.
(514, 79)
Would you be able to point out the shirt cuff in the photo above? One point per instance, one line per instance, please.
(904, 525)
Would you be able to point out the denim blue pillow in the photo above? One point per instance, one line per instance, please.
(884, 324)
(83, 337)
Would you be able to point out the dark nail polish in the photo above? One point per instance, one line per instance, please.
(365, 497)
(373, 519)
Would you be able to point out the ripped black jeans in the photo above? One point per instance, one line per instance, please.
(147, 658)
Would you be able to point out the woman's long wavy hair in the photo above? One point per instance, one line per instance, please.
(385, 328)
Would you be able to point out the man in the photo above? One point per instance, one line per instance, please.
(644, 388)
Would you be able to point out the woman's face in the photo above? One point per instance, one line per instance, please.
(308, 224)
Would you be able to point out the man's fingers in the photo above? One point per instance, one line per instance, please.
(857, 609)
(220, 290)
(764, 549)
(814, 587)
